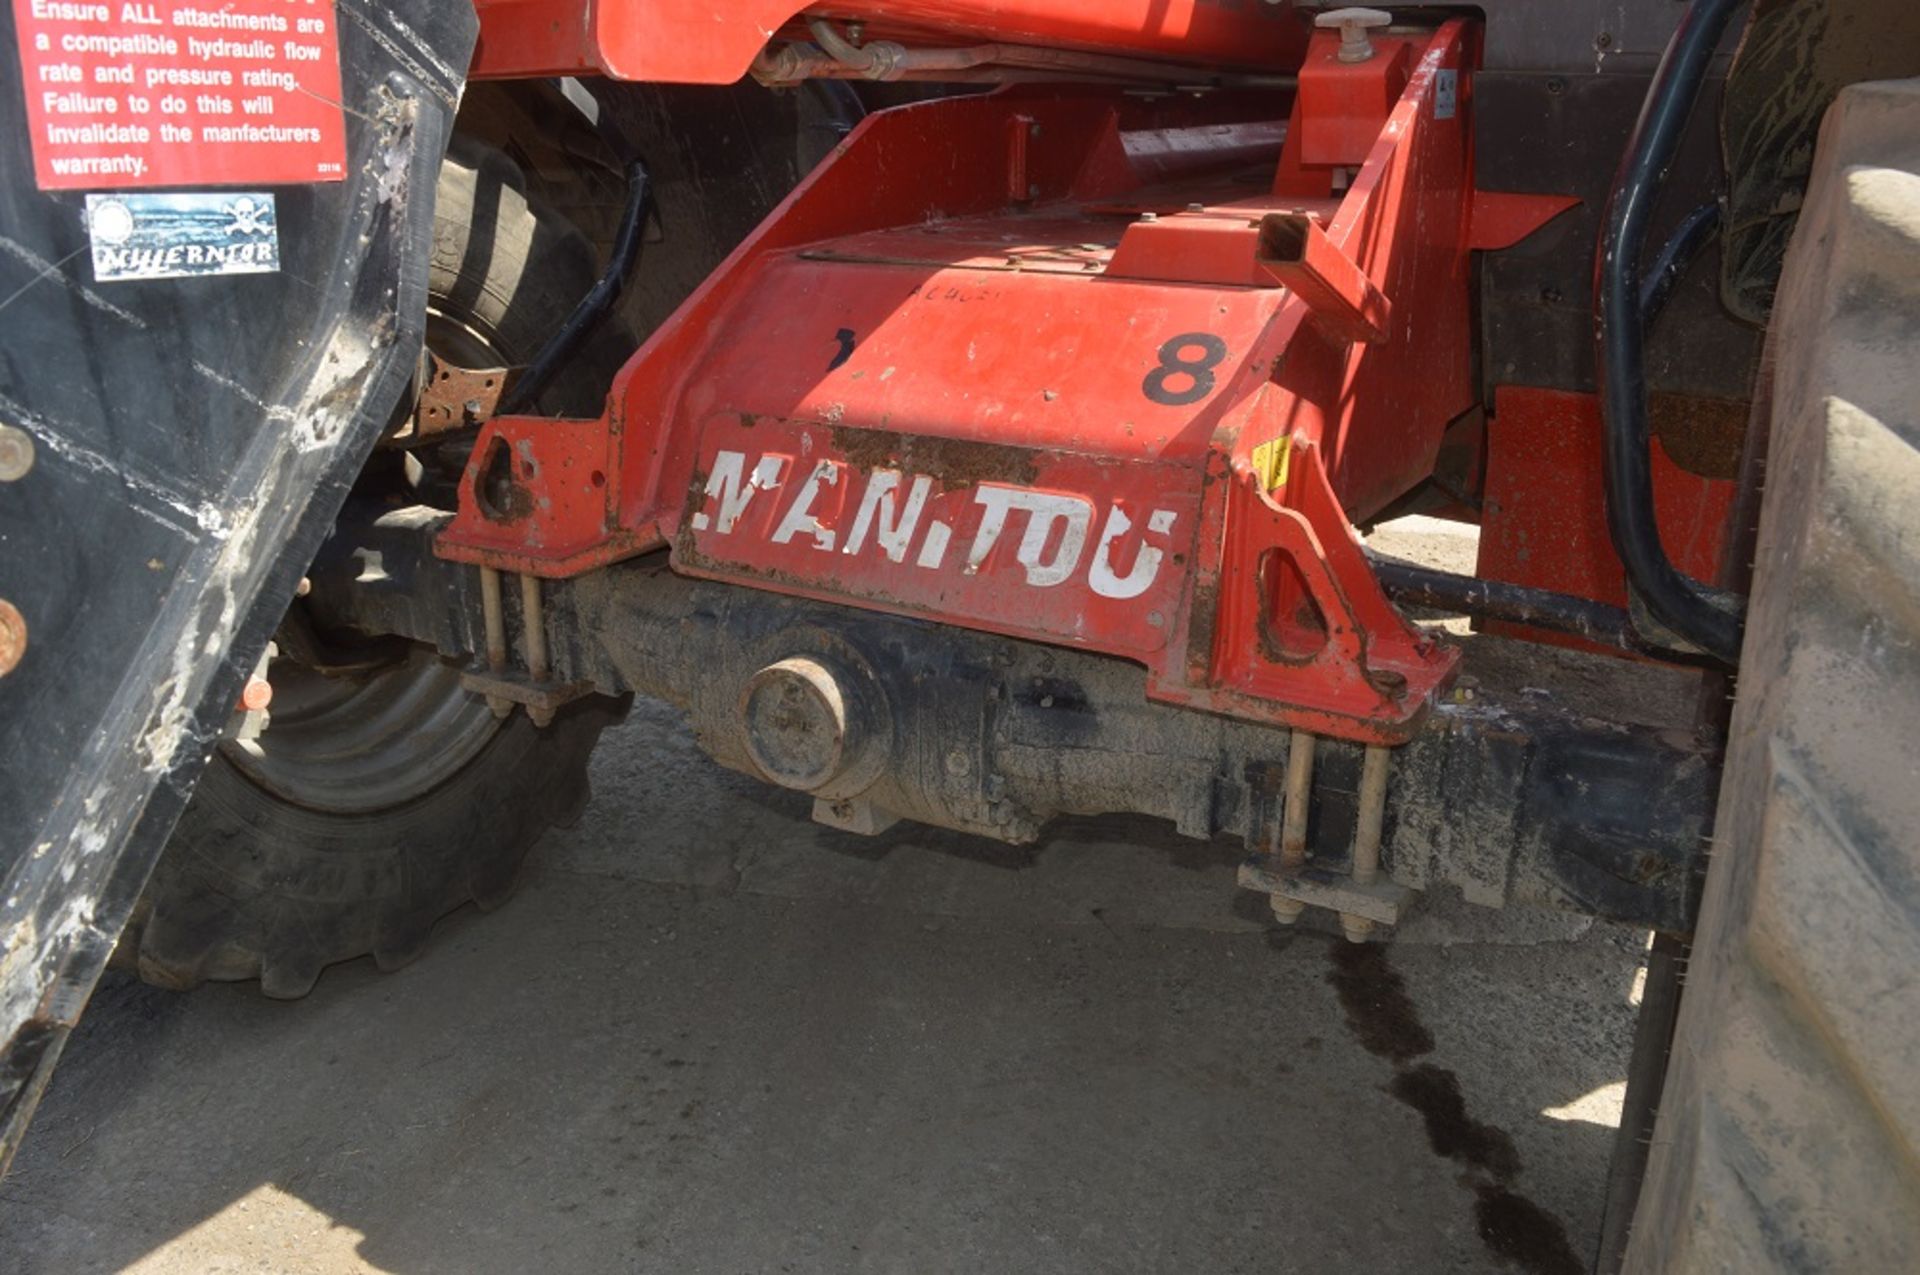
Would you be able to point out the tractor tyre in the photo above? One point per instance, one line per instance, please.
(376, 802)
(1788, 1134)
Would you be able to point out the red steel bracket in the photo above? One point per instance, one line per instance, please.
(714, 41)
(1344, 104)
(1295, 617)
(1296, 252)
(1544, 510)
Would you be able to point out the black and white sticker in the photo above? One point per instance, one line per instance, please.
(137, 235)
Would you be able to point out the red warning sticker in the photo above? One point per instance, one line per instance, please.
(181, 92)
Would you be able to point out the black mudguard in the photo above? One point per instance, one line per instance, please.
(192, 442)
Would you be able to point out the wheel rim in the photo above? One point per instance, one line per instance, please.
(372, 741)
(458, 340)
(365, 742)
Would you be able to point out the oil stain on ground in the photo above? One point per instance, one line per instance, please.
(1384, 1020)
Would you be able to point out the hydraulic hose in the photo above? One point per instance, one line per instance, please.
(1671, 265)
(592, 308)
(1697, 614)
(1410, 584)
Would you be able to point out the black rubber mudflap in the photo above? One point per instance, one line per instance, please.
(190, 440)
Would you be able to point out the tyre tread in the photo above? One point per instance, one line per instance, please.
(1789, 1130)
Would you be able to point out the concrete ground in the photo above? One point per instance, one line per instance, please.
(712, 1036)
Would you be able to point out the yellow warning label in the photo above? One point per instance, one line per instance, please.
(1271, 460)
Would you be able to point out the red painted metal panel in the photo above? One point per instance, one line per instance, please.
(1544, 516)
(1501, 220)
(1404, 219)
(1036, 543)
(714, 41)
(1083, 388)
(1343, 104)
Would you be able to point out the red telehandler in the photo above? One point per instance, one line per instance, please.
(973, 412)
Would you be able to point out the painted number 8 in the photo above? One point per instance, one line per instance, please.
(1191, 378)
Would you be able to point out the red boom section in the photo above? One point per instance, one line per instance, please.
(714, 41)
(1064, 366)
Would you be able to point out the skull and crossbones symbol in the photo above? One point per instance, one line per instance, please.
(249, 218)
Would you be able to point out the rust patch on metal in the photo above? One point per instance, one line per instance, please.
(954, 462)
(1200, 621)
(499, 494)
(695, 499)
(453, 399)
(1390, 684)
(1703, 436)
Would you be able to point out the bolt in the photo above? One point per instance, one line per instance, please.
(1286, 911)
(1196, 207)
(1556, 86)
(16, 453)
(1353, 25)
(540, 715)
(1356, 928)
(1603, 41)
(256, 694)
(1033, 130)
(957, 764)
(1148, 216)
(13, 637)
(302, 589)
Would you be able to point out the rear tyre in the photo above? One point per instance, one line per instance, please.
(376, 802)
(1789, 1129)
